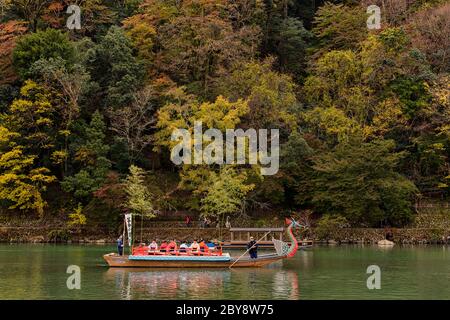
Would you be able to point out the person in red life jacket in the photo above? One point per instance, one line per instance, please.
(172, 246)
(195, 247)
(163, 247)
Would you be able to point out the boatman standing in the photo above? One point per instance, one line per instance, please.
(120, 245)
(252, 248)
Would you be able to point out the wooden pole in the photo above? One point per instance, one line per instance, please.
(248, 249)
(142, 226)
(123, 236)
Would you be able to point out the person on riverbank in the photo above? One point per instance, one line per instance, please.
(252, 248)
(120, 245)
(228, 223)
(188, 221)
(389, 235)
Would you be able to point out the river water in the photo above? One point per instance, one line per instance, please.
(38, 271)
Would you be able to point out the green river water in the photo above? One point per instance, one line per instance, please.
(38, 271)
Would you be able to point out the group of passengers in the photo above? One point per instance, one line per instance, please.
(167, 246)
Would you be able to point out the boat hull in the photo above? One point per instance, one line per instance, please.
(114, 260)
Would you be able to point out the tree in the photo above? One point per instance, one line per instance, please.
(226, 194)
(139, 197)
(20, 184)
(360, 182)
(339, 27)
(4, 6)
(132, 124)
(41, 45)
(430, 31)
(113, 66)
(95, 15)
(70, 81)
(182, 113)
(31, 11)
(92, 158)
(201, 45)
(77, 217)
(270, 95)
(290, 43)
(9, 33)
(34, 116)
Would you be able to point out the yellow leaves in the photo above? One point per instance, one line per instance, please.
(6, 135)
(44, 122)
(21, 105)
(7, 178)
(18, 184)
(141, 34)
(77, 218)
(85, 156)
(64, 133)
(14, 160)
(58, 156)
(387, 115)
(333, 122)
(222, 114)
(28, 87)
(40, 175)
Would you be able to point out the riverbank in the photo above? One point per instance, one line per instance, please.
(44, 234)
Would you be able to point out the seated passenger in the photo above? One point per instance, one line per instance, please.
(163, 247)
(152, 247)
(172, 246)
(183, 247)
(203, 246)
(195, 247)
(211, 246)
(140, 250)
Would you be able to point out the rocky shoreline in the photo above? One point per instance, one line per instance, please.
(98, 236)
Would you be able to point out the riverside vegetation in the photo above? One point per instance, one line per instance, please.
(86, 115)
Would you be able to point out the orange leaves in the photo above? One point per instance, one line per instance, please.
(9, 33)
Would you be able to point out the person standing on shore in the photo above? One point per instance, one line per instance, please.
(120, 245)
(252, 248)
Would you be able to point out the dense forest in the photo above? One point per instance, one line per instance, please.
(86, 114)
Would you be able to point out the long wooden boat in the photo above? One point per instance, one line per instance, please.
(223, 260)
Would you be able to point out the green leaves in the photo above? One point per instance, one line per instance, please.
(139, 197)
(46, 44)
(360, 181)
(226, 194)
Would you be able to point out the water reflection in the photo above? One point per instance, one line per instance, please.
(203, 284)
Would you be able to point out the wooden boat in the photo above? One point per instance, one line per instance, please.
(385, 243)
(223, 261)
(219, 260)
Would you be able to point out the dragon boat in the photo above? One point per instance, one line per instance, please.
(176, 259)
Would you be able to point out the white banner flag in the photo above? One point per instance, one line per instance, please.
(128, 222)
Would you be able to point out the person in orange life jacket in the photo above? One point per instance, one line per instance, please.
(172, 246)
(163, 246)
(203, 246)
(195, 246)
